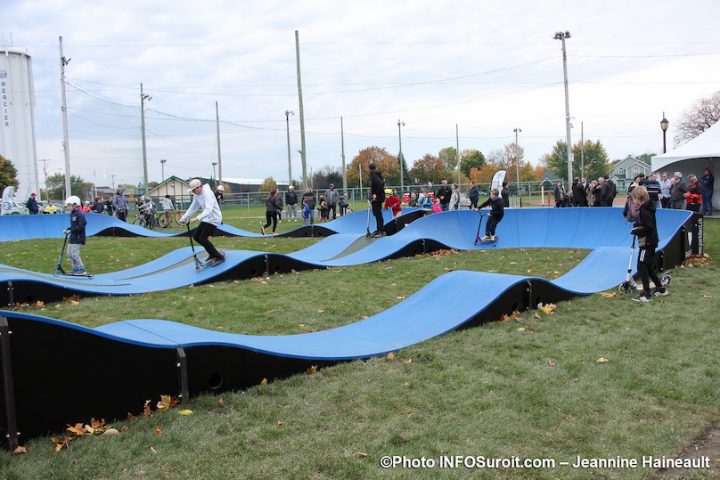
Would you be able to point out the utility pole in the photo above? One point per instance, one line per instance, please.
(457, 152)
(582, 149)
(342, 155)
(517, 159)
(217, 128)
(287, 125)
(162, 169)
(562, 36)
(66, 142)
(45, 162)
(112, 176)
(144, 98)
(401, 158)
(303, 152)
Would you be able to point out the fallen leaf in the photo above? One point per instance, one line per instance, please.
(602, 360)
(360, 454)
(391, 356)
(504, 318)
(536, 315)
(61, 442)
(185, 411)
(147, 411)
(312, 369)
(547, 309)
(158, 432)
(264, 381)
(38, 304)
(19, 450)
(97, 424)
(608, 294)
(111, 432)
(78, 429)
(408, 360)
(321, 310)
(167, 402)
(130, 416)
(152, 449)
(551, 363)
(280, 423)
(221, 402)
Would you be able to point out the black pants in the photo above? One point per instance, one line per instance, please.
(271, 217)
(202, 232)
(121, 215)
(377, 213)
(645, 269)
(333, 209)
(491, 225)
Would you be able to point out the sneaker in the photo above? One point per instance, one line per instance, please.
(262, 230)
(78, 271)
(642, 298)
(661, 292)
(486, 238)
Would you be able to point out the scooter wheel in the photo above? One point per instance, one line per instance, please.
(622, 288)
(57, 273)
(665, 279)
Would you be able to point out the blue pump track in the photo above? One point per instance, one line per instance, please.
(129, 361)
(29, 227)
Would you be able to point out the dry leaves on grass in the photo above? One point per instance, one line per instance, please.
(61, 442)
(19, 450)
(167, 402)
(608, 294)
(547, 309)
(312, 369)
(72, 300)
(391, 356)
(602, 360)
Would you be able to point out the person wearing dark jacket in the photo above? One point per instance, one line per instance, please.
(76, 233)
(578, 194)
(645, 228)
(377, 198)
(443, 195)
(32, 205)
(707, 184)
(609, 191)
(291, 201)
(505, 194)
(497, 212)
(273, 205)
(561, 198)
(677, 192)
(308, 206)
(474, 195)
(331, 197)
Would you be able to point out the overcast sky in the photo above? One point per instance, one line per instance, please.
(488, 66)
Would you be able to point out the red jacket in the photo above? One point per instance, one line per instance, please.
(393, 202)
(694, 195)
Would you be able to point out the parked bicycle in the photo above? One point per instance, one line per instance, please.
(169, 218)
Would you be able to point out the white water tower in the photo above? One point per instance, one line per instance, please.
(17, 125)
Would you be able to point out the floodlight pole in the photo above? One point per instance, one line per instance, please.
(562, 36)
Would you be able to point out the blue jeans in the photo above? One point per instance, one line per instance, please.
(707, 203)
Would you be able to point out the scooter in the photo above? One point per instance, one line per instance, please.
(630, 285)
(59, 270)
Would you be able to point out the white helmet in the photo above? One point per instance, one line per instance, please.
(73, 200)
(221, 188)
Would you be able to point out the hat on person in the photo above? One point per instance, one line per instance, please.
(194, 183)
(388, 191)
(221, 188)
(291, 187)
(32, 194)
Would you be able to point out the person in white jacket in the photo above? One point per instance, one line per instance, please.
(210, 217)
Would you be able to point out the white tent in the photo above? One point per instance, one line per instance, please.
(693, 157)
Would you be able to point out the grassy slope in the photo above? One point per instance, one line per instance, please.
(493, 391)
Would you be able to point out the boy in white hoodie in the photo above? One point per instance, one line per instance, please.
(210, 217)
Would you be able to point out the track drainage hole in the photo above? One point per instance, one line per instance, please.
(215, 381)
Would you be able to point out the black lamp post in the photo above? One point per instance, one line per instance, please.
(664, 124)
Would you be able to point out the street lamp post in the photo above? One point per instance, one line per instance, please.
(214, 164)
(162, 169)
(562, 36)
(401, 158)
(287, 124)
(144, 98)
(517, 159)
(664, 124)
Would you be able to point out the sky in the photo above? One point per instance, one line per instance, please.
(487, 67)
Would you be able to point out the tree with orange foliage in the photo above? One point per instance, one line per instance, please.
(385, 162)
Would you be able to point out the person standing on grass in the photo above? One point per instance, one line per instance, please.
(168, 207)
(444, 194)
(308, 205)
(645, 228)
(273, 204)
(291, 201)
(377, 198)
(707, 184)
(210, 217)
(32, 205)
(474, 195)
(120, 205)
(331, 197)
(77, 234)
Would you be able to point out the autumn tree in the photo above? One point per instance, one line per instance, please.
(386, 163)
(448, 155)
(429, 168)
(509, 159)
(594, 155)
(703, 114)
(56, 186)
(471, 159)
(268, 184)
(8, 174)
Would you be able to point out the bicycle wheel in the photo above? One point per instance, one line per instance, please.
(163, 221)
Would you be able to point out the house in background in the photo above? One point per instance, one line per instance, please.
(626, 170)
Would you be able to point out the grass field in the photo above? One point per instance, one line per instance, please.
(528, 387)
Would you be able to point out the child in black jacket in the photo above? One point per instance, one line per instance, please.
(496, 214)
(646, 230)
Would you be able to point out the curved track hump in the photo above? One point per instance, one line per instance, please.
(602, 229)
(129, 361)
(28, 227)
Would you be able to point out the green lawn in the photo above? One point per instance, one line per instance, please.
(531, 387)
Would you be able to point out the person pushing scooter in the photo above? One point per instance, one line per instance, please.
(210, 217)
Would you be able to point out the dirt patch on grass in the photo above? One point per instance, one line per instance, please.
(707, 444)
